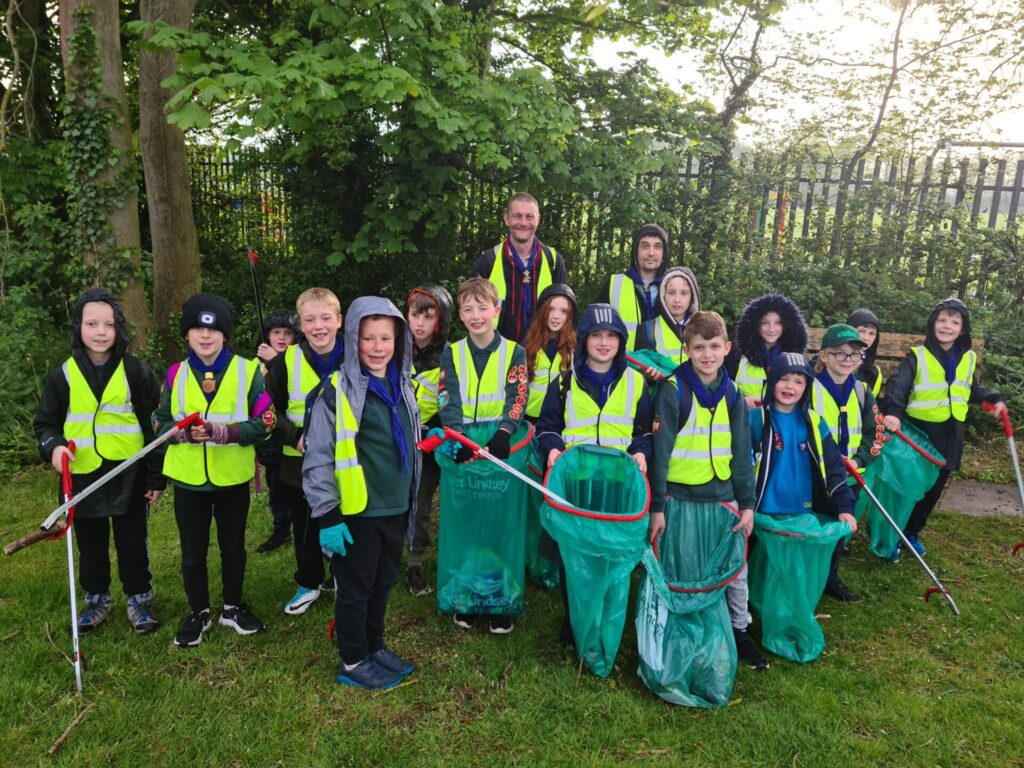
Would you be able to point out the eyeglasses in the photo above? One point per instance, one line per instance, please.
(847, 356)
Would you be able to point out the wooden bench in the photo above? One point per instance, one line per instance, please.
(892, 348)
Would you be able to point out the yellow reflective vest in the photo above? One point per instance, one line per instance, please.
(611, 426)
(826, 406)
(302, 380)
(497, 276)
(622, 296)
(348, 473)
(750, 379)
(545, 371)
(932, 399)
(483, 397)
(703, 446)
(103, 429)
(667, 342)
(201, 463)
(425, 385)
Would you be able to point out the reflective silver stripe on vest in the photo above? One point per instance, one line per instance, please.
(118, 429)
(241, 400)
(295, 393)
(126, 407)
(348, 463)
(927, 385)
(502, 369)
(111, 408)
(426, 383)
(690, 429)
(84, 442)
(345, 434)
(79, 417)
(618, 283)
(573, 421)
(743, 375)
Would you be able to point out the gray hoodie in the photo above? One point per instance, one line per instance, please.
(318, 479)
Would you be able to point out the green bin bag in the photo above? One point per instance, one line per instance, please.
(482, 530)
(683, 631)
(900, 477)
(601, 539)
(543, 571)
(788, 569)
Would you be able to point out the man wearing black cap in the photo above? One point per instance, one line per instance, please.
(634, 293)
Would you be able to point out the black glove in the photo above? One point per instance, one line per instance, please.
(464, 454)
(498, 446)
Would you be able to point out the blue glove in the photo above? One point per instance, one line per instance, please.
(333, 539)
(449, 448)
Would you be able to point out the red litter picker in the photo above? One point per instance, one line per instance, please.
(1008, 429)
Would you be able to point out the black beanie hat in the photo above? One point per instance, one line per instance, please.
(206, 310)
(281, 318)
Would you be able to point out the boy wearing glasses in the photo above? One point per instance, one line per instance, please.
(849, 410)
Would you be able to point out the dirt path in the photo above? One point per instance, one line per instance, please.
(971, 497)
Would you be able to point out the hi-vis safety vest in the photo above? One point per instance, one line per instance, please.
(622, 296)
(545, 371)
(814, 427)
(302, 380)
(104, 429)
(750, 379)
(497, 276)
(932, 399)
(483, 397)
(348, 473)
(826, 406)
(877, 386)
(425, 385)
(703, 446)
(199, 463)
(611, 426)
(667, 342)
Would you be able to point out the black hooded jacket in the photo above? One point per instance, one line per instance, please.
(947, 436)
(748, 337)
(868, 372)
(429, 357)
(128, 488)
(647, 230)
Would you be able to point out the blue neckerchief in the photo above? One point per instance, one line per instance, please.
(633, 274)
(602, 381)
(201, 368)
(327, 364)
(552, 348)
(841, 394)
(770, 353)
(705, 397)
(392, 398)
(951, 361)
(525, 289)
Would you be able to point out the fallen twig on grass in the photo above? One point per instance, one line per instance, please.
(67, 731)
(9, 635)
(61, 650)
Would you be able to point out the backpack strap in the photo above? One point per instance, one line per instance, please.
(172, 374)
(858, 387)
(685, 402)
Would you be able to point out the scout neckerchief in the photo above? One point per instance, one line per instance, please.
(841, 394)
(526, 270)
(207, 374)
(391, 396)
(705, 397)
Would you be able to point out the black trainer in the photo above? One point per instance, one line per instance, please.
(500, 625)
(839, 591)
(748, 651)
(190, 633)
(417, 582)
(277, 539)
(239, 618)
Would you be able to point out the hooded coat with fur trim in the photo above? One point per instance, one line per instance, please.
(748, 337)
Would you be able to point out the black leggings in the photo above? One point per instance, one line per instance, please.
(130, 541)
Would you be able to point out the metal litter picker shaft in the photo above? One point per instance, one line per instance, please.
(1008, 430)
(906, 544)
(65, 472)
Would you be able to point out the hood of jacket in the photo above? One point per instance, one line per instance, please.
(650, 230)
(120, 322)
(354, 381)
(430, 356)
(794, 331)
(789, 362)
(600, 317)
(560, 289)
(865, 316)
(963, 343)
(691, 279)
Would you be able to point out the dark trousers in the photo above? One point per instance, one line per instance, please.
(309, 560)
(279, 509)
(364, 577)
(194, 511)
(923, 508)
(429, 479)
(131, 543)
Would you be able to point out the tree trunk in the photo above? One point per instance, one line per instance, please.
(123, 219)
(165, 165)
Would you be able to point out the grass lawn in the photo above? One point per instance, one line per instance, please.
(901, 682)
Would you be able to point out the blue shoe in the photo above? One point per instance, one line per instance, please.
(390, 660)
(300, 603)
(140, 613)
(894, 556)
(97, 609)
(368, 674)
(915, 543)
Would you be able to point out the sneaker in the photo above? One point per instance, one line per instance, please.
(97, 609)
(839, 591)
(241, 620)
(328, 584)
(465, 620)
(417, 583)
(301, 601)
(190, 632)
(500, 625)
(277, 539)
(391, 661)
(748, 651)
(368, 674)
(894, 556)
(140, 613)
(916, 543)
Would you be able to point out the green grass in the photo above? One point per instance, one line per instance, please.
(901, 682)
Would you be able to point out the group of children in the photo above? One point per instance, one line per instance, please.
(345, 400)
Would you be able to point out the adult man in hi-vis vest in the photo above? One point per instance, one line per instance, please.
(520, 267)
(634, 293)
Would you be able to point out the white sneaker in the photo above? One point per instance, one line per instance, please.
(301, 601)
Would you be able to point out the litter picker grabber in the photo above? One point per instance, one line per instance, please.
(436, 436)
(65, 478)
(253, 258)
(46, 528)
(938, 588)
(1008, 429)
